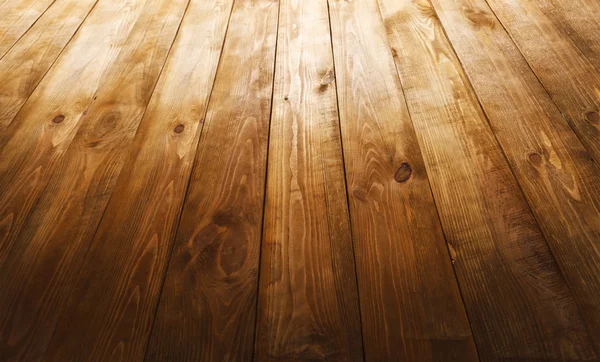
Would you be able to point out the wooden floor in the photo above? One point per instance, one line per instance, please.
(282, 180)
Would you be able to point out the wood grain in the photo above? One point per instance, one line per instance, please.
(17, 17)
(53, 243)
(207, 307)
(34, 142)
(558, 177)
(410, 302)
(116, 305)
(560, 41)
(283, 180)
(497, 248)
(24, 66)
(308, 303)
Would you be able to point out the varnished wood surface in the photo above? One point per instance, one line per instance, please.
(558, 176)
(560, 41)
(38, 136)
(17, 17)
(24, 66)
(286, 180)
(410, 302)
(211, 283)
(308, 302)
(54, 240)
(494, 241)
(99, 151)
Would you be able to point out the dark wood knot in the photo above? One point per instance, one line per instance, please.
(403, 173)
(359, 194)
(180, 127)
(58, 119)
(592, 117)
(535, 158)
(328, 78)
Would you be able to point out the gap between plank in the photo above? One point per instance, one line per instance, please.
(337, 103)
(262, 226)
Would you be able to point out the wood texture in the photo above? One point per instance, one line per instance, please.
(207, 307)
(560, 41)
(498, 251)
(558, 177)
(34, 142)
(299, 180)
(308, 303)
(410, 302)
(17, 17)
(116, 305)
(24, 66)
(53, 243)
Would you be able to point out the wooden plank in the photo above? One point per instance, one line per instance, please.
(17, 17)
(116, 305)
(24, 66)
(207, 307)
(560, 41)
(410, 302)
(558, 177)
(34, 142)
(53, 243)
(497, 248)
(308, 303)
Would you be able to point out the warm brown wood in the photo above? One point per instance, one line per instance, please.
(308, 303)
(207, 307)
(16, 17)
(23, 67)
(34, 142)
(558, 177)
(53, 243)
(457, 219)
(561, 41)
(114, 307)
(498, 251)
(410, 302)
